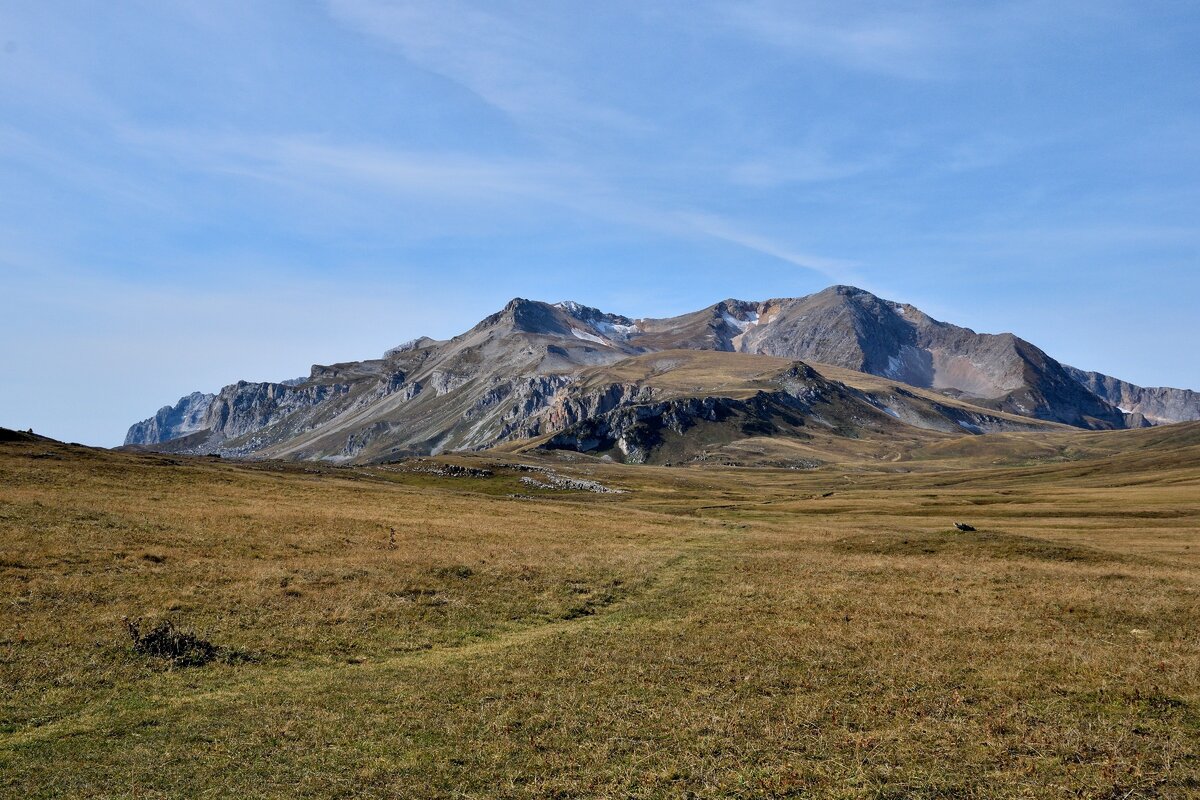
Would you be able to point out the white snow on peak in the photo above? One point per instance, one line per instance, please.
(741, 324)
(589, 337)
(613, 329)
(1124, 410)
(597, 320)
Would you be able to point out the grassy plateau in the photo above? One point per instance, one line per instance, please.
(443, 628)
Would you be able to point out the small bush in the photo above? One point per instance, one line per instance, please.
(165, 641)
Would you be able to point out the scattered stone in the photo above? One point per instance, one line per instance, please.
(448, 470)
(559, 483)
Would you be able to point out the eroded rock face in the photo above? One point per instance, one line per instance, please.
(637, 429)
(187, 416)
(247, 407)
(1156, 405)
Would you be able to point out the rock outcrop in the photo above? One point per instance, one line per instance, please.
(1157, 405)
(187, 416)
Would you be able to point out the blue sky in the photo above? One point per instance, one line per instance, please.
(199, 192)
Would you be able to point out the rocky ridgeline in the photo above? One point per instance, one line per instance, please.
(521, 373)
(1158, 405)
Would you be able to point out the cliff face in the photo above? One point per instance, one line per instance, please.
(187, 416)
(1157, 405)
(530, 370)
(424, 397)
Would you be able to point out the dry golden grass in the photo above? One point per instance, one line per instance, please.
(736, 633)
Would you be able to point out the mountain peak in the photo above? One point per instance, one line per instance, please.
(572, 307)
(845, 290)
(590, 314)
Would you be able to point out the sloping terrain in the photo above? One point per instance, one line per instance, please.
(682, 406)
(467, 393)
(502, 381)
(442, 628)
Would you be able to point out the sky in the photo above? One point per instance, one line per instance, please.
(197, 192)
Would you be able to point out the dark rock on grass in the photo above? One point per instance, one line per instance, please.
(964, 527)
(178, 647)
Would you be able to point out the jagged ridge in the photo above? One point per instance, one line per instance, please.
(513, 375)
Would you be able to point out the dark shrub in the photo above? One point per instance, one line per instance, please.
(165, 641)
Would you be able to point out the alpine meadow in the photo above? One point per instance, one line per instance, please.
(862, 464)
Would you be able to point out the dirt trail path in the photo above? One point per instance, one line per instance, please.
(682, 571)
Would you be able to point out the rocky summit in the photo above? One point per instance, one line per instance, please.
(781, 381)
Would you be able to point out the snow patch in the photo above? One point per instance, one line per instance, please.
(589, 337)
(615, 330)
(610, 325)
(741, 324)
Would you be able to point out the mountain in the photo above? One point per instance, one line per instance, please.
(1157, 405)
(423, 397)
(852, 328)
(568, 375)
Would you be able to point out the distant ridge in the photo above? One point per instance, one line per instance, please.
(500, 381)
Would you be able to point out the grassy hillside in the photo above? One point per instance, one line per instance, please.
(847, 415)
(430, 631)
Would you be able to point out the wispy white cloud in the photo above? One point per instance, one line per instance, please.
(462, 178)
(908, 40)
(838, 270)
(905, 45)
(510, 64)
(316, 161)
